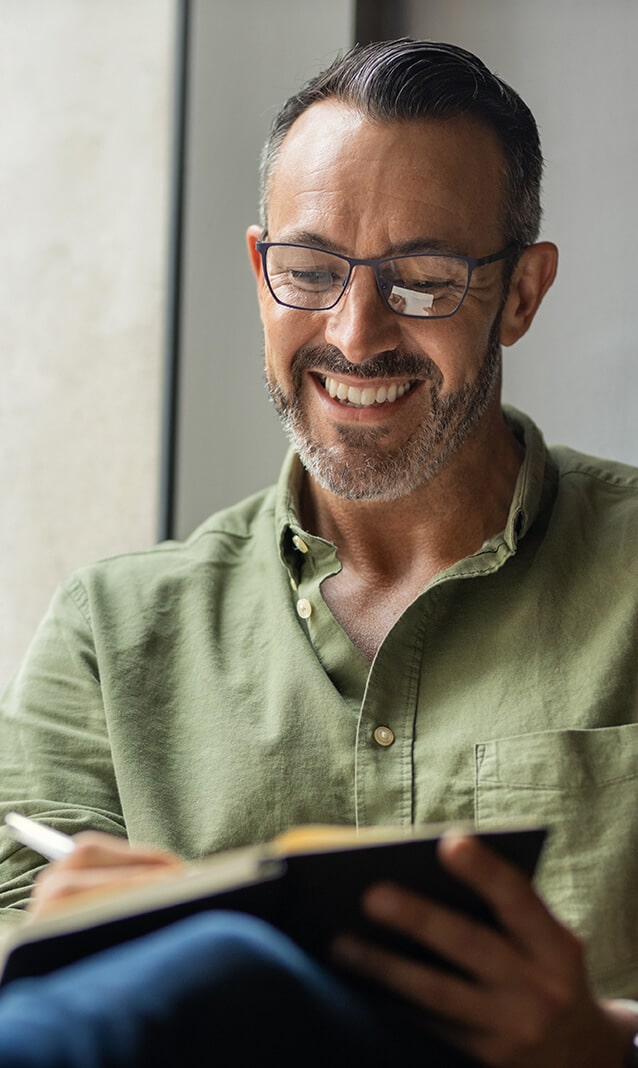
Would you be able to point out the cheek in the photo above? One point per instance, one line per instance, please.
(458, 350)
(286, 331)
(281, 343)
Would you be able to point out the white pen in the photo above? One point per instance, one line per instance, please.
(37, 836)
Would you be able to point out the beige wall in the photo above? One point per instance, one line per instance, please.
(86, 89)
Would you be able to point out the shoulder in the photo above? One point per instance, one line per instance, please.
(580, 468)
(600, 485)
(171, 568)
(597, 499)
(246, 521)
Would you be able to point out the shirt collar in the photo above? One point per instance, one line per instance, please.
(532, 477)
(295, 543)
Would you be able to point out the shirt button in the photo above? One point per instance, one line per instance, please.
(383, 736)
(304, 608)
(299, 543)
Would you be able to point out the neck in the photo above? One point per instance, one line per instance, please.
(442, 521)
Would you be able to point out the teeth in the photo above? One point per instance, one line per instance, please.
(365, 398)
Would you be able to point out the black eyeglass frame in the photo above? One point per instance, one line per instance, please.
(353, 261)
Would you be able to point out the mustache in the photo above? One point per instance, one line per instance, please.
(393, 363)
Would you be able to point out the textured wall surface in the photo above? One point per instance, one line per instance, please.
(86, 93)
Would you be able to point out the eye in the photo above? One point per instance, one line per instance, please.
(429, 285)
(313, 279)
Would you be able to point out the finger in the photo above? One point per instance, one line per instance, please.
(512, 897)
(453, 1010)
(55, 889)
(442, 993)
(479, 951)
(93, 849)
(507, 1025)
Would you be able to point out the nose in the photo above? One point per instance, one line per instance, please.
(361, 325)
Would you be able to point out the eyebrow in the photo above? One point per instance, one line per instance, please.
(415, 244)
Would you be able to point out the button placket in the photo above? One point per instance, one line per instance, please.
(385, 739)
(303, 605)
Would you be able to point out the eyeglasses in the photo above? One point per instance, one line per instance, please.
(420, 285)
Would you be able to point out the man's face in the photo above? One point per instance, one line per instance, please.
(347, 184)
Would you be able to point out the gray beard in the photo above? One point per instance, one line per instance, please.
(357, 467)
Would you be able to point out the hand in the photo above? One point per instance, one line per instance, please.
(100, 864)
(526, 1001)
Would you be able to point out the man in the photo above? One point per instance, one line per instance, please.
(431, 616)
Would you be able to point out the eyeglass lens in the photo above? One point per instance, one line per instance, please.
(420, 285)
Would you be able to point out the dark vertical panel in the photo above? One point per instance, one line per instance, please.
(379, 20)
(168, 459)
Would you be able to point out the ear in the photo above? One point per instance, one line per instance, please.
(253, 233)
(533, 275)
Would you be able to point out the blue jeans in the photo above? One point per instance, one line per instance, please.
(217, 988)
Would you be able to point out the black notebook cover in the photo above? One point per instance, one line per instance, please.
(312, 894)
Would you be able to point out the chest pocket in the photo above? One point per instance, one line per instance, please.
(583, 785)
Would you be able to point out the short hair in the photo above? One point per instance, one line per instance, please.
(407, 80)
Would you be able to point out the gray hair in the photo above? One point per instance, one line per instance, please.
(406, 80)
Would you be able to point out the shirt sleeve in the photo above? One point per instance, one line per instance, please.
(55, 756)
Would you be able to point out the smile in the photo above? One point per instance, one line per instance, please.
(367, 397)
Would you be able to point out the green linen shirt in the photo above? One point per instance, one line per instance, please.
(200, 695)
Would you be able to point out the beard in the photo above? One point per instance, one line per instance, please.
(357, 466)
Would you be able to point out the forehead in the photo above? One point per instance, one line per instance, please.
(340, 172)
